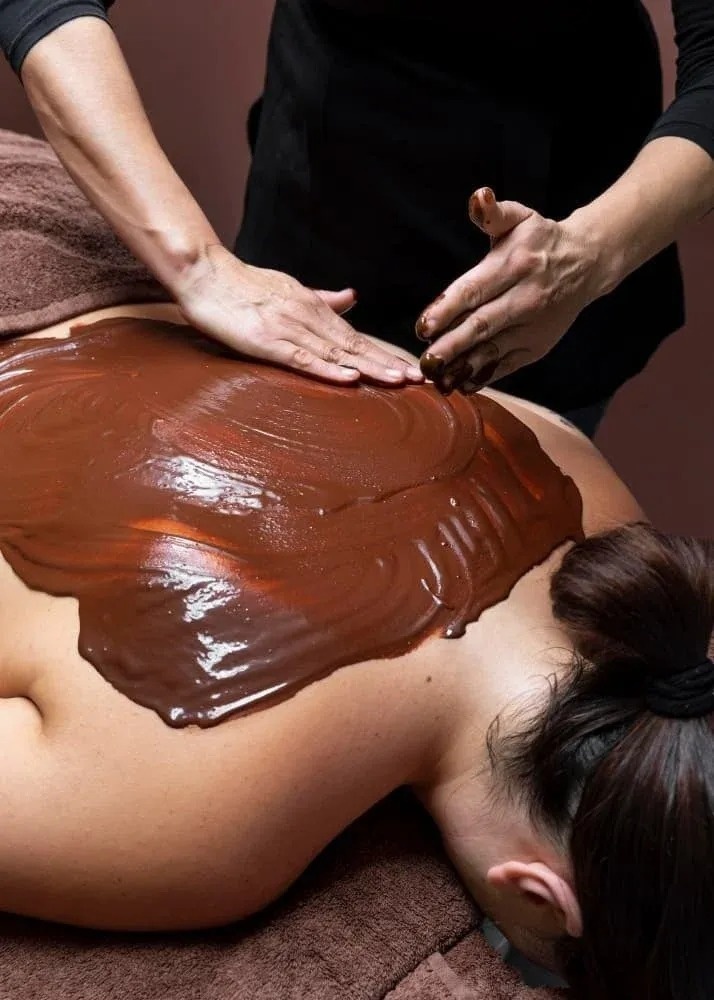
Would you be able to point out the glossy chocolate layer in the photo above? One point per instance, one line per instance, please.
(234, 532)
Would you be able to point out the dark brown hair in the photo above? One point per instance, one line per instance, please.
(631, 793)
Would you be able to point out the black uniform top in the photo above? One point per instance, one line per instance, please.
(24, 22)
(379, 118)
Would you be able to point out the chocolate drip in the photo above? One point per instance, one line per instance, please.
(233, 532)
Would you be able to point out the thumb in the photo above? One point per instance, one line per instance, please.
(495, 218)
(341, 301)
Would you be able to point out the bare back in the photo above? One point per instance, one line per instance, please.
(112, 818)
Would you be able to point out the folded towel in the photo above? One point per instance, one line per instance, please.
(58, 257)
(363, 923)
(468, 971)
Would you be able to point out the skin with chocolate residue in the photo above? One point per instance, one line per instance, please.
(233, 532)
(481, 378)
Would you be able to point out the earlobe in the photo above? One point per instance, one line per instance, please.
(542, 884)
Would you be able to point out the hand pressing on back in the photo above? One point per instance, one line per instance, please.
(269, 315)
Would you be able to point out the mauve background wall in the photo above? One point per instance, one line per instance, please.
(198, 75)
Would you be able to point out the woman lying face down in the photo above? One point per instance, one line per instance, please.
(239, 607)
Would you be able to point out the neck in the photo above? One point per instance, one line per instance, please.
(476, 829)
(478, 826)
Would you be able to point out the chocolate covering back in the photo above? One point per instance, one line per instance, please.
(233, 532)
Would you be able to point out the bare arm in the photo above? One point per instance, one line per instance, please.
(89, 109)
(81, 89)
(671, 182)
(514, 306)
(669, 186)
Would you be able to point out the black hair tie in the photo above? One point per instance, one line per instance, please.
(688, 694)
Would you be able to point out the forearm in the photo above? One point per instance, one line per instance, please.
(85, 99)
(669, 186)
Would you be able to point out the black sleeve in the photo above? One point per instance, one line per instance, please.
(691, 114)
(24, 22)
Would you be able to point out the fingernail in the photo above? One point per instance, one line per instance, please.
(431, 365)
(395, 372)
(422, 327)
(415, 373)
(488, 196)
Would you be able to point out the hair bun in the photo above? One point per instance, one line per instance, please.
(637, 596)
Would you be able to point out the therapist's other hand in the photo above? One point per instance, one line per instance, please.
(269, 315)
(515, 305)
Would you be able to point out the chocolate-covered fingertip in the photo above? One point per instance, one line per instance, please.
(421, 327)
(431, 365)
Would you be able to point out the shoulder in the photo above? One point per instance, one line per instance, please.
(607, 501)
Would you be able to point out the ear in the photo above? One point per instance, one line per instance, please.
(542, 886)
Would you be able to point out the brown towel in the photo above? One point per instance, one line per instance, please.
(58, 258)
(468, 971)
(363, 921)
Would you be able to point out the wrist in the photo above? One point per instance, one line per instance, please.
(187, 261)
(602, 249)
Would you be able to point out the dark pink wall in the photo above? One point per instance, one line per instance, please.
(198, 80)
(659, 433)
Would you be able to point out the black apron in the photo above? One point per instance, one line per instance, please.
(379, 119)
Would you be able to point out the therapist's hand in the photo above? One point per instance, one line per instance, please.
(516, 304)
(269, 315)
(80, 86)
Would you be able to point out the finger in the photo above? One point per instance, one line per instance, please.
(432, 366)
(470, 375)
(340, 302)
(473, 366)
(489, 279)
(484, 363)
(476, 328)
(302, 359)
(496, 218)
(498, 358)
(358, 351)
(510, 362)
(395, 372)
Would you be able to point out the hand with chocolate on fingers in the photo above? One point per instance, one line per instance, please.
(515, 305)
